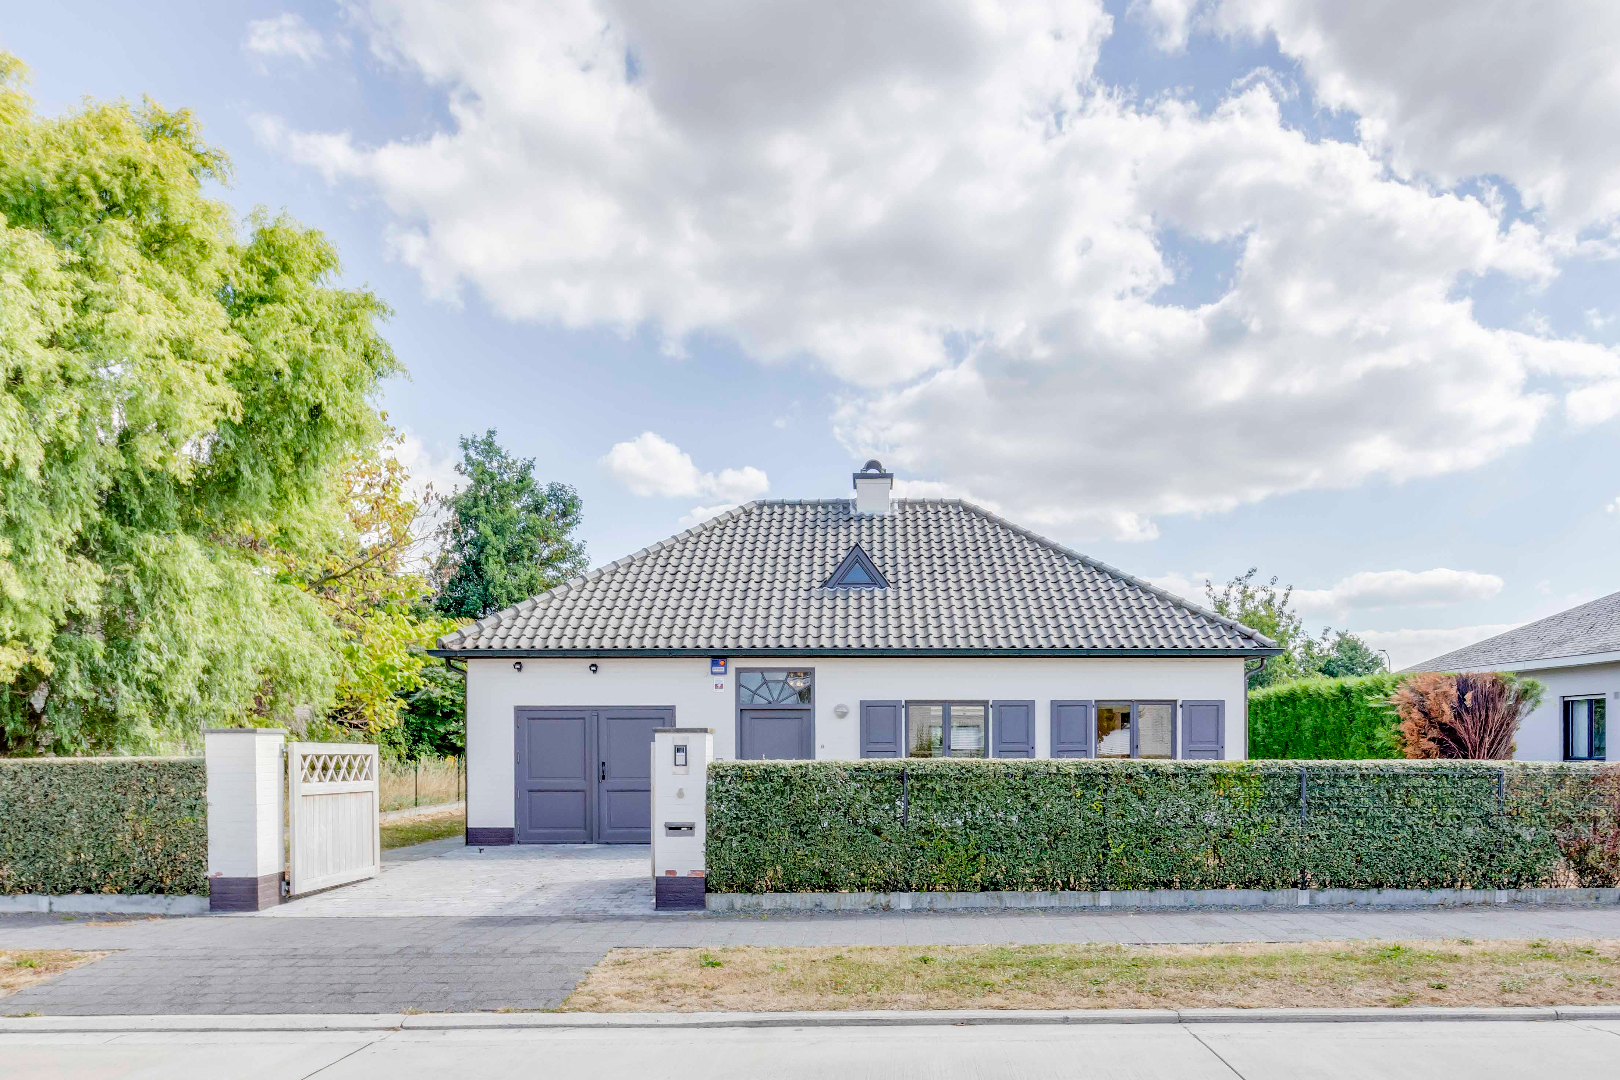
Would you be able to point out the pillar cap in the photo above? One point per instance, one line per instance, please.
(244, 731)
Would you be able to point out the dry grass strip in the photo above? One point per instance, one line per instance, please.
(1316, 974)
(20, 968)
(419, 830)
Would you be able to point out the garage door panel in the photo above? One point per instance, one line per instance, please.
(557, 748)
(626, 770)
(556, 781)
(558, 816)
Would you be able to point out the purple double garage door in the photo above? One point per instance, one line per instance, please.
(584, 775)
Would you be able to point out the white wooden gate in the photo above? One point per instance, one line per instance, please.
(332, 817)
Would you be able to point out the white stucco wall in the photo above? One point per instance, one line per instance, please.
(494, 690)
(1541, 734)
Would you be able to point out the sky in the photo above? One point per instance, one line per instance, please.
(1192, 286)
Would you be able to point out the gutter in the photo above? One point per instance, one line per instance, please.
(722, 650)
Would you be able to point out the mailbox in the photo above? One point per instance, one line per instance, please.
(680, 763)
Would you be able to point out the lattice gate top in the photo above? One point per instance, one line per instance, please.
(317, 767)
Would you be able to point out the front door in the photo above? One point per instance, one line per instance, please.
(584, 775)
(774, 733)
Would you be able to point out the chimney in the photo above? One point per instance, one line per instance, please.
(872, 488)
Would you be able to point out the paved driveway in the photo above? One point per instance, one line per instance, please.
(456, 881)
(447, 928)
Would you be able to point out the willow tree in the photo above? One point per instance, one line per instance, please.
(176, 397)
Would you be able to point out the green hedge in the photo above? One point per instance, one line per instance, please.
(103, 825)
(817, 826)
(1317, 719)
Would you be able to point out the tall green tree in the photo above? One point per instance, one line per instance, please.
(506, 535)
(1339, 654)
(176, 397)
(1263, 606)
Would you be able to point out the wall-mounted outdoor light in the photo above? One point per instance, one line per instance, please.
(593, 669)
(517, 665)
(840, 711)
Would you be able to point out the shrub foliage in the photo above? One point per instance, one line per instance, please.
(1465, 715)
(1318, 719)
(810, 826)
(103, 825)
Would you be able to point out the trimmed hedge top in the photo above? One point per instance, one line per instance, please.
(103, 825)
(812, 826)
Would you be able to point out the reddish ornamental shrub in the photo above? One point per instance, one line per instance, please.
(1462, 715)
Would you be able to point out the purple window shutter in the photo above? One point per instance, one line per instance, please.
(1203, 730)
(883, 729)
(1013, 728)
(1073, 728)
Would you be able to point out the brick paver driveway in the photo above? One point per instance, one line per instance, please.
(466, 882)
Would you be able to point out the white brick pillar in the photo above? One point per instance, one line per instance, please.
(680, 775)
(246, 830)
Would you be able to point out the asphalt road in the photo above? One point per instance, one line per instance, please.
(1436, 1050)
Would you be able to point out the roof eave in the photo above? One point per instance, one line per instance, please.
(570, 654)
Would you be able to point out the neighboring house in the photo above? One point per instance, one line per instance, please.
(1576, 654)
(841, 628)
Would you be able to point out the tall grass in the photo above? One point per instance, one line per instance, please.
(426, 782)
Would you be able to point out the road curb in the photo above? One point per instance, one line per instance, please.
(20, 1025)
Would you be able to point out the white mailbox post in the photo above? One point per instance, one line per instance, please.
(680, 768)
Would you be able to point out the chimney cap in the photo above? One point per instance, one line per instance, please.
(873, 470)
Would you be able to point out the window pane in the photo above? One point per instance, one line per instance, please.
(1576, 722)
(1113, 730)
(926, 724)
(774, 687)
(1155, 729)
(967, 731)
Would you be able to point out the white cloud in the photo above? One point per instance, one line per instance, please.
(940, 205)
(1460, 88)
(699, 514)
(1614, 507)
(1187, 586)
(1408, 647)
(652, 465)
(285, 35)
(1167, 20)
(1395, 588)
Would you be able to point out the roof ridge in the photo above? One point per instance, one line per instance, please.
(1114, 571)
(563, 587)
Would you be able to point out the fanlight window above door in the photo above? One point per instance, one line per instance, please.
(774, 687)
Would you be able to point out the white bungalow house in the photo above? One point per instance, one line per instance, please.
(1576, 655)
(842, 628)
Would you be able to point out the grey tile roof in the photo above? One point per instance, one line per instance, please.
(959, 578)
(1593, 627)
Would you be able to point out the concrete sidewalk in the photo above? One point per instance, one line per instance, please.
(1436, 1050)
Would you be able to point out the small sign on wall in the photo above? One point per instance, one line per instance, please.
(717, 665)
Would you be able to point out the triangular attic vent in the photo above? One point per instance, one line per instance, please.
(857, 571)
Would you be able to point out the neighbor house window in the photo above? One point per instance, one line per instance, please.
(1139, 729)
(1583, 729)
(774, 687)
(947, 728)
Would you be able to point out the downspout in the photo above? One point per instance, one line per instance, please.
(1264, 660)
